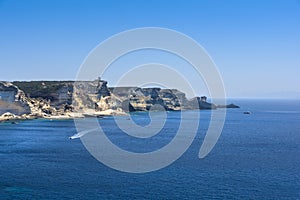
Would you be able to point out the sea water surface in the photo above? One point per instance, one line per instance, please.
(256, 157)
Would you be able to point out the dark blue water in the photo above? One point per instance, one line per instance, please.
(256, 157)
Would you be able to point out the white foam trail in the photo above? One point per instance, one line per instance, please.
(82, 133)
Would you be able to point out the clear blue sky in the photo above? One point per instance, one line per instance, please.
(255, 44)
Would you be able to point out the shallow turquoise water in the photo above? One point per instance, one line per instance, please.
(256, 157)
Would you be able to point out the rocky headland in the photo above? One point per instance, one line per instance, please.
(68, 99)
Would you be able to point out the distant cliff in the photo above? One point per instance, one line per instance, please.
(66, 98)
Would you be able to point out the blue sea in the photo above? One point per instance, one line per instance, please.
(256, 157)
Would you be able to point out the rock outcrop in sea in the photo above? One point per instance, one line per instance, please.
(69, 99)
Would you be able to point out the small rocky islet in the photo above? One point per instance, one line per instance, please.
(21, 100)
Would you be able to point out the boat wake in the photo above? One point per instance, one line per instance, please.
(82, 133)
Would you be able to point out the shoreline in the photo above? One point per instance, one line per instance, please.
(9, 117)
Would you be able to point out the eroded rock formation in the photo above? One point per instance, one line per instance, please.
(12, 100)
(67, 98)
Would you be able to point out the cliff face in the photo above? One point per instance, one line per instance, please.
(144, 99)
(57, 93)
(52, 98)
(12, 100)
(91, 95)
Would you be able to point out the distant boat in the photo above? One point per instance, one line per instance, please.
(247, 112)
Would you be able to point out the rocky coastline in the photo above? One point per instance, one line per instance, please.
(21, 100)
